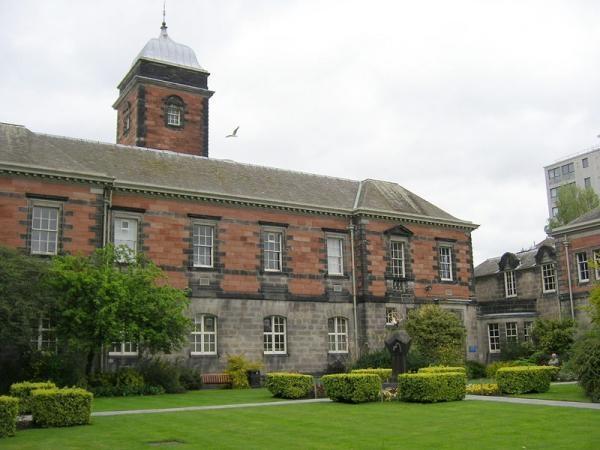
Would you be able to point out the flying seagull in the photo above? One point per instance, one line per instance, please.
(234, 134)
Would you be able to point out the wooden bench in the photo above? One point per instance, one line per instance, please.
(216, 378)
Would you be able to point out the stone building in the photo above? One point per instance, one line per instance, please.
(512, 291)
(293, 269)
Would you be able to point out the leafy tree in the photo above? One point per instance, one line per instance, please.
(553, 336)
(112, 296)
(572, 202)
(23, 300)
(594, 308)
(586, 362)
(438, 333)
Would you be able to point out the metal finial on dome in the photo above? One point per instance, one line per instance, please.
(164, 22)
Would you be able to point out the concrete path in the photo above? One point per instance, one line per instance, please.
(533, 401)
(206, 408)
(523, 401)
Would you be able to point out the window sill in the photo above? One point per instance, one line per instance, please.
(275, 354)
(337, 353)
(336, 276)
(200, 354)
(201, 268)
(121, 355)
(273, 272)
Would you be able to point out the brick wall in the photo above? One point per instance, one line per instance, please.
(148, 123)
(81, 205)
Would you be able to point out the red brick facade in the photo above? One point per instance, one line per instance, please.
(145, 104)
(165, 237)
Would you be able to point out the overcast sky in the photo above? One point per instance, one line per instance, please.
(461, 102)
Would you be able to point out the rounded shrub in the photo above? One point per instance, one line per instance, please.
(61, 407)
(524, 379)
(352, 387)
(428, 387)
(443, 369)
(289, 385)
(383, 374)
(493, 367)
(23, 391)
(9, 409)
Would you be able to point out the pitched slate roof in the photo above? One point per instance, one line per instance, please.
(527, 260)
(169, 172)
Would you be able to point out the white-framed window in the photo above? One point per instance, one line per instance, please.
(512, 333)
(174, 115)
(272, 250)
(510, 284)
(587, 183)
(203, 242)
(494, 337)
(527, 328)
(548, 278)
(554, 211)
(397, 259)
(391, 316)
(582, 267)
(338, 335)
(274, 335)
(553, 193)
(44, 230)
(124, 348)
(204, 335)
(126, 233)
(44, 335)
(445, 261)
(585, 162)
(335, 255)
(597, 261)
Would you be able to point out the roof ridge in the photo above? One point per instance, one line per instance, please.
(186, 155)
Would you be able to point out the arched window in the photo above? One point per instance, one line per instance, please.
(338, 334)
(174, 108)
(204, 335)
(274, 335)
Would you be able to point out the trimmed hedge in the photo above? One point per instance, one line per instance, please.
(443, 369)
(492, 368)
(23, 391)
(352, 387)
(61, 407)
(432, 387)
(552, 370)
(383, 374)
(521, 380)
(483, 389)
(289, 385)
(9, 409)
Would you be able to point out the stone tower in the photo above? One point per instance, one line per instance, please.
(163, 99)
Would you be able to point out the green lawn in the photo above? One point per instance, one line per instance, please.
(455, 425)
(191, 398)
(565, 392)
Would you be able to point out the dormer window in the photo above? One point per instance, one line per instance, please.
(174, 108)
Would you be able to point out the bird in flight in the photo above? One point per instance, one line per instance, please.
(234, 134)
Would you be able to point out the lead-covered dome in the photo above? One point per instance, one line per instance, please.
(163, 48)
